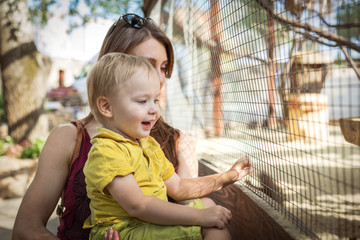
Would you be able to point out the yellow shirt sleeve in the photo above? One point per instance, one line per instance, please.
(106, 160)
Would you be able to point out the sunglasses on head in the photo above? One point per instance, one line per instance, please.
(134, 21)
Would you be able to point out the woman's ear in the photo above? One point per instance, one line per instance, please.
(104, 106)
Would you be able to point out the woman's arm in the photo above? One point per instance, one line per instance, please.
(127, 193)
(189, 188)
(44, 192)
(187, 158)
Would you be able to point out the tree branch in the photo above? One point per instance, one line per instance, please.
(312, 38)
(347, 25)
(288, 21)
(148, 6)
(351, 61)
(246, 56)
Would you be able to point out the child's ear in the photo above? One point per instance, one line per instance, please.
(104, 106)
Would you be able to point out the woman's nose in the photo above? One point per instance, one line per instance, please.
(162, 77)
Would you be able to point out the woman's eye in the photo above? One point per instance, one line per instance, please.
(163, 69)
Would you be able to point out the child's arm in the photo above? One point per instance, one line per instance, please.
(189, 188)
(127, 193)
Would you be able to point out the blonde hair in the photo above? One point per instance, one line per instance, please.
(110, 72)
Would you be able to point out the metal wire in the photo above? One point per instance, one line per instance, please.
(271, 80)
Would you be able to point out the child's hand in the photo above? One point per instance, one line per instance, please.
(111, 235)
(216, 216)
(242, 167)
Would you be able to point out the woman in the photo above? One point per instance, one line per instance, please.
(61, 160)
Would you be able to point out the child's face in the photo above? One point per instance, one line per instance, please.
(135, 105)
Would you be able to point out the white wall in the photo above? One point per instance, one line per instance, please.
(69, 52)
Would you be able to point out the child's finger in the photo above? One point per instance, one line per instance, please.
(116, 236)
(109, 235)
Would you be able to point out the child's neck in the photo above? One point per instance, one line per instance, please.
(118, 131)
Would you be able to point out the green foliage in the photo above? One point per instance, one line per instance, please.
(33, 150)
(348, 13)
(23, 150)
(7, 140)
(8, 148)
(108, 9)
(39, 10)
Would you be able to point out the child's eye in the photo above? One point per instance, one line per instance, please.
(142, 101)
(156, 101)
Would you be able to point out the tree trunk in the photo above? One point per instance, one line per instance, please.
(24, 71)
(216, 67)
(271, 121)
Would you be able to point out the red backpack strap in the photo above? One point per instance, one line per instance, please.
(80, 133)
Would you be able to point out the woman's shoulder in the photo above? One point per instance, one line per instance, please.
(58, 149)
(62, 138)
(66, 131)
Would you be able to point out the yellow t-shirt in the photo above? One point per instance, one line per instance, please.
(112, 155)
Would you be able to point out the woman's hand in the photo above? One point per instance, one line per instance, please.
(242, 167)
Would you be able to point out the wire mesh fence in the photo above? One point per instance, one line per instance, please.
(278, 81)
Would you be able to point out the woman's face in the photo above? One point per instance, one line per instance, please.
(155, 52)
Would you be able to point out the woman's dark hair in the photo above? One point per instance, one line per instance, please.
(123, 38)
(168, 138)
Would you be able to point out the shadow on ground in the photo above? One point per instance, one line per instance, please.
(5, 234)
